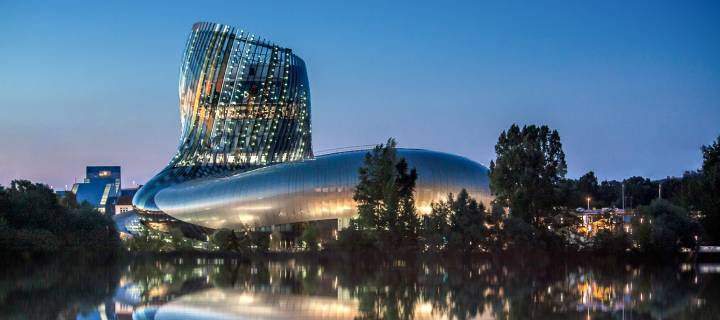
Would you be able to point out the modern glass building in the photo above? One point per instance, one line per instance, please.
(245, 152)
(100, 188)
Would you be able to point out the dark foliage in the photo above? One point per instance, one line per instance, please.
(663, 227)
(709, 202)
(457, 224)
(384, 195)
(529, 166)
(33, 219)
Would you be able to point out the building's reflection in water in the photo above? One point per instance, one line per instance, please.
(512, 289)
(233, 303)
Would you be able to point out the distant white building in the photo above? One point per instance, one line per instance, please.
(123, 204)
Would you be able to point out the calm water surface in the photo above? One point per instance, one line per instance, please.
(499, 288)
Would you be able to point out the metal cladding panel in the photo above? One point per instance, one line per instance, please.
(317, 189)
(244, 102)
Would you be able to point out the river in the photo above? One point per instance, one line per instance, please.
(227, 288)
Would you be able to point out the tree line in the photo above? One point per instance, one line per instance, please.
(33, 219)
(533, 205)
(528, 176)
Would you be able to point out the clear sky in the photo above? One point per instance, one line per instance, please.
(633, 87)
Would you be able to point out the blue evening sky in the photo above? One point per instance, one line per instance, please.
(632, 86)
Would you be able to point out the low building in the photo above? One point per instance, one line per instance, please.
(123, 204)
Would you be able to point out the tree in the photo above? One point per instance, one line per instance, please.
(711, 182)
(69, 200)
(639, 191)
(664, 227)
(408, 217)
(33, 219)
(529, 164)
(693, 192)
(672, 189)
(230, 240)
(259, 241)
(467, 223)
(609, 193)
(457, 224)
(309, 237)
(495, 220)
(588, 185)
(435, 229)
(567, 194)
(384, 196)
(516, 232)
(147, 241)
(35, 206)
(572, 193)
(92, 230)
(609, 242)
(178, 239)
(4, 208)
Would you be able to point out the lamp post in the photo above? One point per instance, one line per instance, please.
(588, 203)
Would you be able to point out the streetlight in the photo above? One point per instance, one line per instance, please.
(588, 201)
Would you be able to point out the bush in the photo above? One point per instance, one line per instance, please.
(30, 240)
(517, 232)
(609, 242)
(352, 240)
(310, 237)
(663, 227)
(238, 241)
(148, 243)
(260, 241)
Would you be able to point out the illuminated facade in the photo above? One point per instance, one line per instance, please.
(101, 187)
(245, 152)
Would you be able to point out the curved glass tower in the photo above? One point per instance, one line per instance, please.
(245, 150)
(244, 102)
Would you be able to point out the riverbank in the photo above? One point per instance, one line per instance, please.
(385, 257)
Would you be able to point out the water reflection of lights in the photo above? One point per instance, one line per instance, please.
(709, 268)
(238, 304)
(234, 304)
(293, 289)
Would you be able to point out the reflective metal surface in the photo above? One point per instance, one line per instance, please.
(317, 189)
(245, 152)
